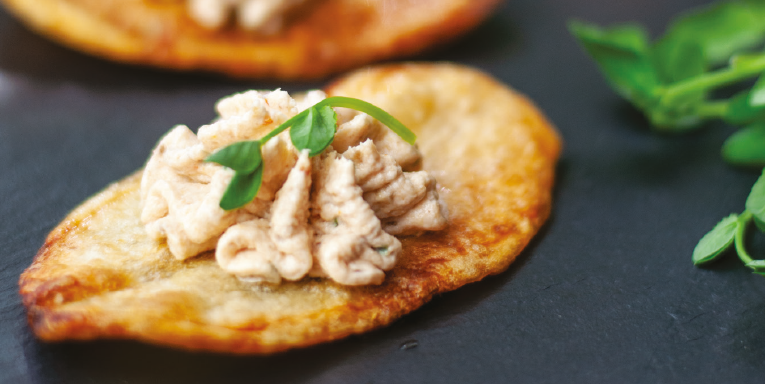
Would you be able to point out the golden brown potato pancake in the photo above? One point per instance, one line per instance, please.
(328, 36)
(99, 276)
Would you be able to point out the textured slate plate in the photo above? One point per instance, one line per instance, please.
(605, 293)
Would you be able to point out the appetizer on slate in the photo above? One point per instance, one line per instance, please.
(286, 39)
(293, 221)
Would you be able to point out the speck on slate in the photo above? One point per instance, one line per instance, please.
(409, 344)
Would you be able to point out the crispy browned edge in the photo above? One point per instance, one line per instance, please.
(407, 287)
(324, 42)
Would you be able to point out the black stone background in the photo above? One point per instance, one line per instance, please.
(605, 293)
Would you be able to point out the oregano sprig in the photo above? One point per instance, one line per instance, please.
(312, 129)
(672, 81)
(731, 230)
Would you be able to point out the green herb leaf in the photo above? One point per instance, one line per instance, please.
(755, 202)
(374, 111)
(315, 131)
(746, 147)
(721, 29)
(757, 94)
(716, 241)
(679, 59)
(760, 224)
(630, 38)
(622, 54)
(741, 111)
(242, 156)
(242, 189)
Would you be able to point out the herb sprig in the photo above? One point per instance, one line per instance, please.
(672, 81)
(730, 231)
(312, 129)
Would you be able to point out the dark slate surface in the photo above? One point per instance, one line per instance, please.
(605, 293)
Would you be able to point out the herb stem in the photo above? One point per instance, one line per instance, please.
(711, 80)
(371, 110)
(713, 109)
(282, 127)
(743, 223)
(349, 102)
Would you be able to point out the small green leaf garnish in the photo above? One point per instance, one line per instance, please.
(242, 189)
(242, 156)
(623, 56)
(315, 130)
(757, 95)
(740, 111)
(760, 224)
(746, 147)
(721, 29)
(755, 202)
(312, 129)
(716, 241)
(679, 59)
